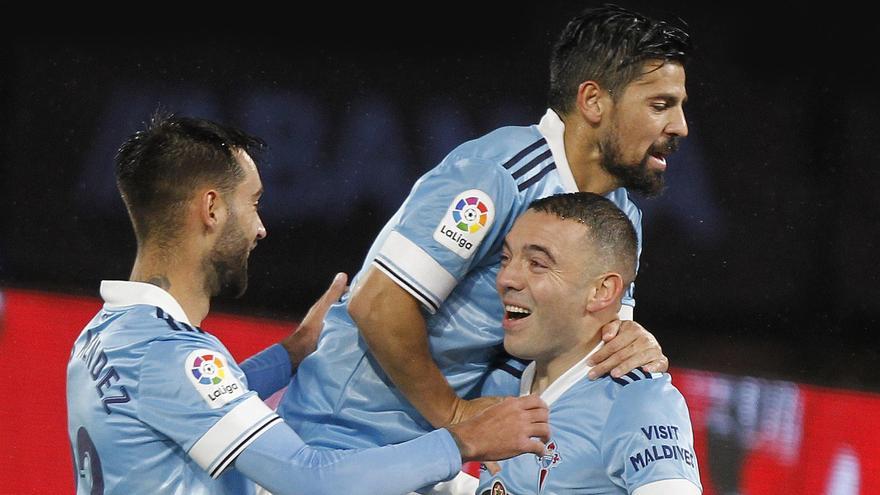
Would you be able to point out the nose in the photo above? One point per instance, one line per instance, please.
(509, 278)
(677, 125)
(261, 229)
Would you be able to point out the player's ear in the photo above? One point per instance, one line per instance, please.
(606, 291)
(592, 101)
(210, 207)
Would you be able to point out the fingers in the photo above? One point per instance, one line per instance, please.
(319, 310)
(532, 401)
(658, 366)
(335, 291)
(610, 330)
(633, 347)
(618, 341)
(636, 360)
(535, 447)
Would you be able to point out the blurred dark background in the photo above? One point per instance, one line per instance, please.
(758, 260)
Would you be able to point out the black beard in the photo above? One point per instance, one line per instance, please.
(230, 279)
(227, 265)
(638, 178)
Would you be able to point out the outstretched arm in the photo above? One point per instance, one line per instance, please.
(279, 460)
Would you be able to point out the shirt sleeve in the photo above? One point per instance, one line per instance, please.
(280, 462)
(268, 371)
(193, 392)
(451, 220)
(648, 435)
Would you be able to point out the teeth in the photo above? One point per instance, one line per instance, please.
(516, 309)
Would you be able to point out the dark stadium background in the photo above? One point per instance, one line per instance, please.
(760, 259)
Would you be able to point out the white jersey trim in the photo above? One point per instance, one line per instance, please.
(415, 270)
(573, 375)
(219, 447)
(122, 293)
(553, 130)
(669, 487)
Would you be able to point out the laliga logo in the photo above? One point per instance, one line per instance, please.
(470, 215)
(208, 369)
(215, 382)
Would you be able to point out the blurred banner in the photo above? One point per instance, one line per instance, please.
(752, 436)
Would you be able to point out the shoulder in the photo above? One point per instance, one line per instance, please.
(647, 395)
(622, 199)
(145, 317)
(159, 334)
(501, 150)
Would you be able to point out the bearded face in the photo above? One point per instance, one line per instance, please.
(637, 175)
(228, 261)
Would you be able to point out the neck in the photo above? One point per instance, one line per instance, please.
(586, 161)
(549, 370)
(178, 277)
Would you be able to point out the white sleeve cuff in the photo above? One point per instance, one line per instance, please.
(668, 487)
(415, 270)
(625, 313)
(219, 447)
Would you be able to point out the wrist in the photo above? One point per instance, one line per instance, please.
(466, 448)
(291, 354)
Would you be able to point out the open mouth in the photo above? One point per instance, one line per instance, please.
(659, 160)
(516, 312)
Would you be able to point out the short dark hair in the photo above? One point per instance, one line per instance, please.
(609, 45)
(157, 168)
(610, 231)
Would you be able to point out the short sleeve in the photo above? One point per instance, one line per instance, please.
(648, 435)
(193, 392)
(448, 224)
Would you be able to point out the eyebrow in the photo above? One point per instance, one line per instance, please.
(669, 97)
(540, 249)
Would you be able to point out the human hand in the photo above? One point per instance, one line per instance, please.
(304, 339)
(506, 429)
(627, 346)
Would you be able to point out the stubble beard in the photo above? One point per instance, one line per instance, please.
(226, 270)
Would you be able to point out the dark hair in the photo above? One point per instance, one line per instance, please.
(609, 45)
(158, 168)
(610, 231)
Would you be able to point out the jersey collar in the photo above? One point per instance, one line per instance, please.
(573, 375)
(553, 129)
(121, 293)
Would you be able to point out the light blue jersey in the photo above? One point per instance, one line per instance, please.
(156, 405)
(442, 246)
(609, 436)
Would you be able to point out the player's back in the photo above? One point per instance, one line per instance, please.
(114, 450)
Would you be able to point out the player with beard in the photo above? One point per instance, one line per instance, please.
(407, 352)
(157, 405)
